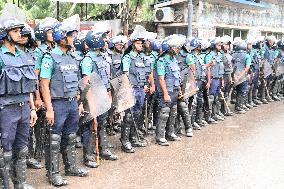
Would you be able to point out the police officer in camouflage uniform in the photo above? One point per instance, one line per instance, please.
(59, 77)
(95, 61)
(168, 89)
(17, 109)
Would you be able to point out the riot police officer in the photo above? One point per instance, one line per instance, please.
(94, 61)
(26, 44)
(182, 105)
(43, 34)
(202, 77)
(59, 77)
(17, 109)
(228, 69)
(241, 62)
(168, 89)
(134, 67)
(256, 58)
(267, 57)
(217, 80)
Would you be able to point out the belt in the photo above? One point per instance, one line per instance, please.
(20, 104)
(66, 99)
(138, 87)
(215, 77)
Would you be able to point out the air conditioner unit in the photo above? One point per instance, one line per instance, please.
(165, 14)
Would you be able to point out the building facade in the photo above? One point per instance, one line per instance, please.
(236, 18)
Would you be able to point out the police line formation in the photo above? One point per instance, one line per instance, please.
(165, 87)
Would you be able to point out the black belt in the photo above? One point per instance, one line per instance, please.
(138, 87)
(65, 99)
(20, 104)
(216, 77)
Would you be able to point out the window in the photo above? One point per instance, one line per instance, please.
(231, 32)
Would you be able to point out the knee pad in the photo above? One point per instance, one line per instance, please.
(128, 117)
(22, 154)
(164, 113)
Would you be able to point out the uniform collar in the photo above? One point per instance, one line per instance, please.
(58, 51)
(167, 56)
(134, 54)
(5, 50)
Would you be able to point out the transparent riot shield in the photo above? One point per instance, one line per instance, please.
(123, 95)
(189, 87)
(95, 95)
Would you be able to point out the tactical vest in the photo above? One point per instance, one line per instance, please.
(182, 65)
(64, 79)
(101, 66)
(281, 56)
(79, 56)
(217, 70)
(228, 67)
(200, 68)
(148, 62)
(239, 60)
(256, 62)
(116, 64)
(269, 55)
(137, 71)
(172, 77)
(17, 78)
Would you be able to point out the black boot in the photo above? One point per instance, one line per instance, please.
(19, 170)
(105, 153)
(162, 119)
(125, 134)
(184, 112)
(170, 131)
(52, 160)
(5, 163)
(69, 158)
(238, 105)
(89, 158)
(31, 162)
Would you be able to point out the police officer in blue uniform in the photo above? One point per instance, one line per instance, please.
(43, 35)
(217, 80)
(168, 89)
(267, 54)
(17, 109)
(59, 77)
(228, 69)
(95, 61)
(256, 58)
(182, 106)
(134, 67)
(26, 44)
(79, 53)
(116, 46)
(241, 62)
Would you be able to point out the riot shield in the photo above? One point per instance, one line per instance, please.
(95, 94)
(189, 87)
(239, 77)
(279, 67)
(123, 95)
(267, 69)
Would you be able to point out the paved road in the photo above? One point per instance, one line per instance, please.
(244, 151)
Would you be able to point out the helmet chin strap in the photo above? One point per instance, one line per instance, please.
(11, 40)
